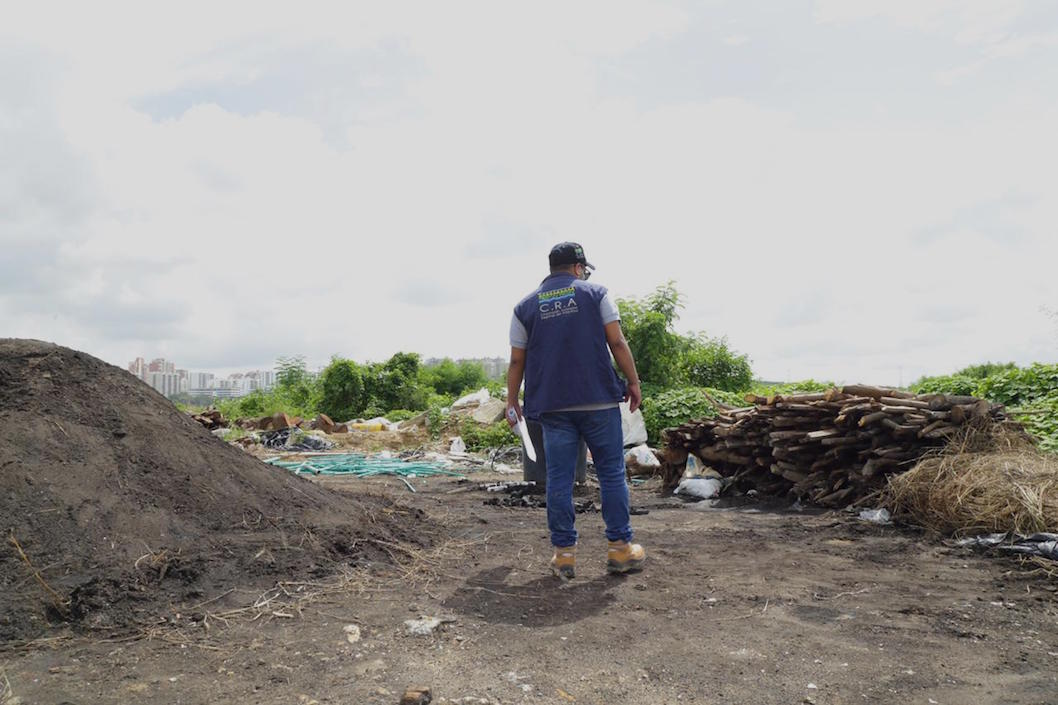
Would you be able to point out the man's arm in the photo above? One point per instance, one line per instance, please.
(622, 354)
(515, 373)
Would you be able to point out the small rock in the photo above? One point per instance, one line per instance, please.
(352, 633)
(422, 627)
(416, 696)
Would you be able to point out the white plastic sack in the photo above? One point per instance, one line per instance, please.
(704, 487)
(876, 516)
(458, 446)
(641, 456)
(476, 399)
(633, 426)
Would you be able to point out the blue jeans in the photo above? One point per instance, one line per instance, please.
(601, 430)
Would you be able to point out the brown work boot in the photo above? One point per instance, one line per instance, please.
(624, 557)
(563, 563)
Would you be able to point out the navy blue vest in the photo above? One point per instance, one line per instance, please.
(567, 360)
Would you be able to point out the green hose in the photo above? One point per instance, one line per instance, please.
(362, 466)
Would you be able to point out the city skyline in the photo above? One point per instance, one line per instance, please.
(169, 380)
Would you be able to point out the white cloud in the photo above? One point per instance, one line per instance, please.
(364, 180)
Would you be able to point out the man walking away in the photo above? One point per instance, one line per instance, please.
(562, 336)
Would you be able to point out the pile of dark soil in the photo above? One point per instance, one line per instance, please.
(116, 508)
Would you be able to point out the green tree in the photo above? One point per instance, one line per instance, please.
(395, 384)
(665, 359)
(648, 326)
(709, 362)
(296, 389)
(454, 378)
(342, 392)
(290, 371)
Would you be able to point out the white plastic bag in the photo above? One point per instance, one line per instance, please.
(458, 447)
(704, 487)
(641, 456)
(476, 399)
(876, 516)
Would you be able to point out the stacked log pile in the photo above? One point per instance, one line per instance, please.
(833, 448)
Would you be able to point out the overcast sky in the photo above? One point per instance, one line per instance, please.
(854, 191)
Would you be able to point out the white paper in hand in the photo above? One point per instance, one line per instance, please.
(523, 430)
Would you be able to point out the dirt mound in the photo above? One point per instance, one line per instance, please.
(115, 506)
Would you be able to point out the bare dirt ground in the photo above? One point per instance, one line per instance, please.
(735, 606)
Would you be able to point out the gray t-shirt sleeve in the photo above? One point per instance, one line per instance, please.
(519, 335)
(608, 309)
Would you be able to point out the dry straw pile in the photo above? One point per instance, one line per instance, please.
(986, 480)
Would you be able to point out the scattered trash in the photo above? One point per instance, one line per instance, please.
(476, 399)
(294, 438)
(352, 633)
(458, 446)
(425, 626)
(694, 466)
(1044, 545)
(509, 486)
(506, 454)
(703, 487)
(640, 460)
(383, 422)
(876, 516)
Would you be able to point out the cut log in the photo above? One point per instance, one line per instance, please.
(872, 418)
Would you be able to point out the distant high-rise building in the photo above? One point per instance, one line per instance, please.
(201, 381)
(160, 364)
(165, 383)
(138, 367)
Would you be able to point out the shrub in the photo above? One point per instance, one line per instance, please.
(959, 384)
(1020, 386)
(478, 437)
(455, 378)
(1042, 423)
(804, 386)
(709, 362)
(674, 407)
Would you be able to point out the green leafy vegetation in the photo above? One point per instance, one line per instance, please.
(805, 386)
(479, 437)
(673, 407)
(666, 359)
(453, 378)
(399, 387)
(1032, 390)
